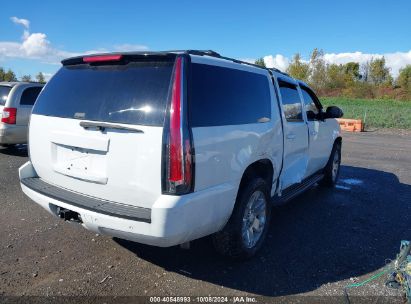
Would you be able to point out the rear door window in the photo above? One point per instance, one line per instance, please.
(135, 93)
(4, 94)
(291, 102)
(221, 96)
(29, 96)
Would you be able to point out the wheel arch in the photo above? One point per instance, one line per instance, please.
(261, 168)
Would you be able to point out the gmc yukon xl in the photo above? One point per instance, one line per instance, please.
(163, 148)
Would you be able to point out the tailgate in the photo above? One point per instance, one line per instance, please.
(97, 130)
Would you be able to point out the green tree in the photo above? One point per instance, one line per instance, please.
(260, 62)
(352, 69)
(318, 69)
(379, 72)
(335, 76)
(298, 69)
(26, 78)
(404, 78)
(9, 76)
(2, 72)
(351, 74)
(40, 78)
(365, 71)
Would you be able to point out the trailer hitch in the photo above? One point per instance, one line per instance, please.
(68, 215)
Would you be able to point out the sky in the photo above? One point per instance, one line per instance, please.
(36, 35)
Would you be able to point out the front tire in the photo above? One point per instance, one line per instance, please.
(247, 227)
(332, 169)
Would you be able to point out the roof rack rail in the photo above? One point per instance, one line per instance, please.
(281, 72)
(217, 55)
(203, 52)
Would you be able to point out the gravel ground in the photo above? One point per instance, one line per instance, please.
(317, 244)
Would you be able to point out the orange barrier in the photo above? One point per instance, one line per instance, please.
(351, 125)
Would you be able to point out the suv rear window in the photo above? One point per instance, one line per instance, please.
(4, 94)
(223, 96)
(135, 93)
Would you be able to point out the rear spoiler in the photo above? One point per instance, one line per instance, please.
(119, 58)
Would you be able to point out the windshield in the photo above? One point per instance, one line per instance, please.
(135, 93)
(4, 94)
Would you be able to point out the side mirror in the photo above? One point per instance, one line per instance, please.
(333, 112)
(311, 115)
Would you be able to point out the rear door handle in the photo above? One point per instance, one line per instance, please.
(291, 136)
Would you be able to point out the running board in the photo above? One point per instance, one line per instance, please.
(294, 190)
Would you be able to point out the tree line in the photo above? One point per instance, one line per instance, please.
(371, 79)
(9, 75)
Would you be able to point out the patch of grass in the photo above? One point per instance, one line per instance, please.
(376, 113)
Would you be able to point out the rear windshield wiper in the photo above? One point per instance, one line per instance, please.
(101, 126)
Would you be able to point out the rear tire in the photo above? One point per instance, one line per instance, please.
(6, 145)
(247, 227)
(332, 169)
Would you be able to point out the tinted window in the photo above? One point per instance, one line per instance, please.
(4, 93)
(135, 93)
(291, 102)
(29, 96)
(222, 96)
(309, 103)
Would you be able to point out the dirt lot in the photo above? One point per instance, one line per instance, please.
(318, 243)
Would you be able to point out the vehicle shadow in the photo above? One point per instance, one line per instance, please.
(325, 235)
(15, 150)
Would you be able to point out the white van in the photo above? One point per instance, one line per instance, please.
(166, 147)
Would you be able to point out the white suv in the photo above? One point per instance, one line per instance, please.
(166, 147)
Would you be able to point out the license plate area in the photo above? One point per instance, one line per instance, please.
(80, 163)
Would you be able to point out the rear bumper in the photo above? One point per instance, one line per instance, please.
(13, 134)
(174, 219)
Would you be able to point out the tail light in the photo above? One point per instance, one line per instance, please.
(178, 156)
(9, 116)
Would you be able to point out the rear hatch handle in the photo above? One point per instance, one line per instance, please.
(101, 126)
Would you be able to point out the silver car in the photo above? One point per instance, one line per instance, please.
(16, 102)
